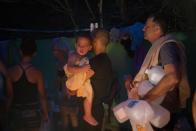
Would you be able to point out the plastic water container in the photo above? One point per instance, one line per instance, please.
(96, 25)
(144, 87)
(92, 27)
(120, 113)
(139, 111)
(161, 116)
(146, 127)
(155, 74)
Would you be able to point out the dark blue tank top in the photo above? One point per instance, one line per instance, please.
(24, 91)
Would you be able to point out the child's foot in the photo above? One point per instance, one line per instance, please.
(91, 120)
(71, 93)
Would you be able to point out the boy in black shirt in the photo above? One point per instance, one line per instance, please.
(102, 78)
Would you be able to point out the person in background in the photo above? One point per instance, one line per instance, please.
(194, 109)
(114, 35)
(26, 92)
(3, 82)
(138, 54)
(60, 52)
(169, 53)
(101, 80)
(131, 37)
(68, 103)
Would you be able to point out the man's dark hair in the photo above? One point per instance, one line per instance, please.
(83, 35)
(28, 46)
(162, 20)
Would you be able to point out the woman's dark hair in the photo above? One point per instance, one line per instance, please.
(28, 46)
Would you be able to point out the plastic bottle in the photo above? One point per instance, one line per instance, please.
(161, 116)
(144, 87)
(146, 127)
(96, 25)
(139, 112)
(92, 27)
(155, 74)
(119, 112)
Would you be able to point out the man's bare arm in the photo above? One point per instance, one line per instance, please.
(169, 81)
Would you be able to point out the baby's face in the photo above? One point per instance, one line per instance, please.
(83, 45)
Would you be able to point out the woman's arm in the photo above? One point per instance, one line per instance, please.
(9, 88)
(9, 92)
(42, 95)
(3, 69)
(167, 83)
(194, 109)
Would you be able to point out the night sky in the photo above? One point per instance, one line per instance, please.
(77, 14)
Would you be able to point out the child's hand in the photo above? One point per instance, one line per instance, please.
(128, 82)
(89, 73)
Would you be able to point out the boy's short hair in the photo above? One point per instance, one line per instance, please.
(87, 36)
(102, 35)
(28, 46)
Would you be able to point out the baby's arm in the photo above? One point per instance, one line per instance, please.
(76, 69)
(89, 74)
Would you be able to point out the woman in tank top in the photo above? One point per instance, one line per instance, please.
(26, 92)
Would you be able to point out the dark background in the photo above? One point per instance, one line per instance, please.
(45, 18)
(51, 18)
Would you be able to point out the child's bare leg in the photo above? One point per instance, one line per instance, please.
(88, 114)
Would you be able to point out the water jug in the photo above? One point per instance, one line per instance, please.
(144, 87)
(139, 111)
(119, 112)
(155, 74)
(161, 116)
